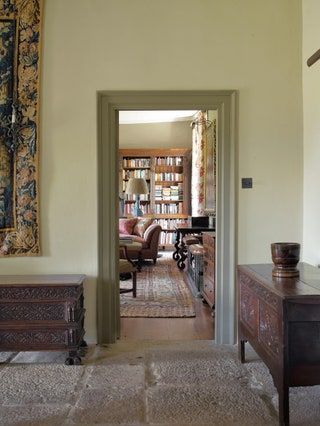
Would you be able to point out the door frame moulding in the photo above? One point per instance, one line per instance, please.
(109, 103)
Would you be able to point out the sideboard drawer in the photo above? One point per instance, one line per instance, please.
(208, 269)
(208, 292)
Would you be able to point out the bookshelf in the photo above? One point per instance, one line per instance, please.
(167, 172)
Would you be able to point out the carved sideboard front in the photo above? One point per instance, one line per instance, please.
(42, 312)
(208, 288)
(280, 317)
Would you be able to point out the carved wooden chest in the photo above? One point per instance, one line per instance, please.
(42, 312)
(280, 317)
(208, 287)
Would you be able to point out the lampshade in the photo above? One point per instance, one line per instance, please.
(137, 186)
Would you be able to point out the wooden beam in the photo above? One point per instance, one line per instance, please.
(314, 58)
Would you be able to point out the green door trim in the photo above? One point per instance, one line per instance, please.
(109, 103)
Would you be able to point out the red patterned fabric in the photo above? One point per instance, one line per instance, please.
(126, 226)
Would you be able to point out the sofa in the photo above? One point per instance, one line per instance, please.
(144, 231)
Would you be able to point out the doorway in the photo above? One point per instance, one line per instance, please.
(109, 105)
(164, 157)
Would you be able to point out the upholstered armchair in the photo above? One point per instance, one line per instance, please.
(150, 244)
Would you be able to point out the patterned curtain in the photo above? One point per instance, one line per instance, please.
(203, 155)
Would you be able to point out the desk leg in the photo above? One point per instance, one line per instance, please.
(242, 351)
(283, 391)
(176, 246)
(139, 262)
(182, 256)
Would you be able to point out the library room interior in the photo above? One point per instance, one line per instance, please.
(167, 222)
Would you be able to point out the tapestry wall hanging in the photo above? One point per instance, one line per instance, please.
(20, 28)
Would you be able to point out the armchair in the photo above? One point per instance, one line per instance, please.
(150, 244)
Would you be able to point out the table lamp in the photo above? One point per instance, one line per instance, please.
(137, 186)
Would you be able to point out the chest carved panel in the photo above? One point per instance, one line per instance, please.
(248, 308)
(33, 293)
(260, 291)
(269, 332)
(33, 337)
(32, 312)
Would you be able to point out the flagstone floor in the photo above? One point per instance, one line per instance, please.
(146, 383)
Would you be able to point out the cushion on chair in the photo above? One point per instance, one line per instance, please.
(125, 266)
(142, 224)
(196, 249)
(126, 225)
(190, 239)
(141, 240)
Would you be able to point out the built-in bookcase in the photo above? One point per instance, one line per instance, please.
(167, 173)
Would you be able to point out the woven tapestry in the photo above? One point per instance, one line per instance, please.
(20, 27)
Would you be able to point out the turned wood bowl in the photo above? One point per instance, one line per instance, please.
(285, 257)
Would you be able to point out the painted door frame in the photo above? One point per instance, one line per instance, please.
(109, 103)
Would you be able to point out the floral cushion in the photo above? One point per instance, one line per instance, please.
(126, 226)
(141, 226)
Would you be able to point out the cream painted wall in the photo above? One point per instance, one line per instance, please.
(253, 46)
(311, 107)
(156, 135)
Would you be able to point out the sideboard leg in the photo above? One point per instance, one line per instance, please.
(242, 351)
(83, 344)
(283, 405)
(73, 358)
(82, 348)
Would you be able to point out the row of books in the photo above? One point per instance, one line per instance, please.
(169, 161)
(146, 209)
(136, 162)
(170, 223)
(168, 176)
(169, 208)
(167, 238)
(139, 173)
(172, 193)
(131, 197)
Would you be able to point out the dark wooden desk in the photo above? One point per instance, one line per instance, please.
(42, 312)
(280, 317)
(180, 253)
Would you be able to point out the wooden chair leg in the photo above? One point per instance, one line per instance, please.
(134, 283)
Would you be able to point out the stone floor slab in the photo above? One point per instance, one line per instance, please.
(110, 406)
(38, 384)
(35, 415)
(195, 367)
(200, 405)
(148, 383)
(115, 376)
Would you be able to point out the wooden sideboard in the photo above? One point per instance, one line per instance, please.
(208, 287)
(280, 317)
(42, 312)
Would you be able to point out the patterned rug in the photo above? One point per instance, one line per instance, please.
(161, 292)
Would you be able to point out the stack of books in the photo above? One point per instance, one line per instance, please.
(158, 192)
(166, 194)
(174, 190)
